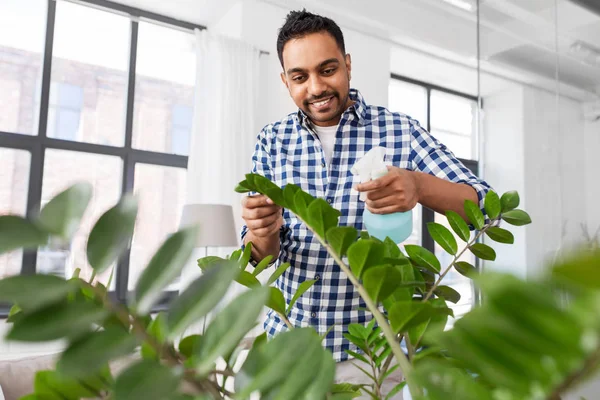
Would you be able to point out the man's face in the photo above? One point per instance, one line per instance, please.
(317, 76)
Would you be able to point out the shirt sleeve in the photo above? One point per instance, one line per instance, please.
(261, 164)
(429, 155)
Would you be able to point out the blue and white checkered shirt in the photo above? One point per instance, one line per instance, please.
(289, 151)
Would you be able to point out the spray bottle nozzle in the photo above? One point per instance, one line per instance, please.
(370, 166)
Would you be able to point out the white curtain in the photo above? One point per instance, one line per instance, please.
(224, 130)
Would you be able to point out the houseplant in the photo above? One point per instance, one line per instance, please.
(294, 365)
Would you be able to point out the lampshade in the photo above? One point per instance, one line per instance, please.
(217, 227)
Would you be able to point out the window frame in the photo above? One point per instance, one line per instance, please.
(130, 156)
(428, 215)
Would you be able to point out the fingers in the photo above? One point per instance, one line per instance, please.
(259, 223)
(268, 230)
(256, 201)
(374, 184)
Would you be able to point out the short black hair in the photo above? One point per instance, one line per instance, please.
(301, 23)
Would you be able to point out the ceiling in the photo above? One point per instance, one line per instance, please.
(516, 36)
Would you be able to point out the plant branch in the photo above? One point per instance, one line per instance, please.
(286, 320)
(456, 257)
(571, 380)
(126, 318)
(385, 327)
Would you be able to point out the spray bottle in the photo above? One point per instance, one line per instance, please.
(398, 226)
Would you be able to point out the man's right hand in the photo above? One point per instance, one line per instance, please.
(263, 218)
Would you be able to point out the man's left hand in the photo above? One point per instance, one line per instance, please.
(396, 191)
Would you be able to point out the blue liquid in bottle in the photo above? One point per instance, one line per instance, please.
(398, 226)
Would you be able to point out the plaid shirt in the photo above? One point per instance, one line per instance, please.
(289, 151)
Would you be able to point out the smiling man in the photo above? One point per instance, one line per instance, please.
(315, 148)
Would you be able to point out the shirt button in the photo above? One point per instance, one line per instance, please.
(323, 165)
(329, 200)
(317, 277)
(314, 315)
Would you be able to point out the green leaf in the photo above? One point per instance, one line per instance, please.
(31, 292)
(245, 278)
(289, 195)
(397, 389)
(492, 205)
(90, 353)
(269, 189)
(516, 217)
(321, 217)
(358, 330)
(483, 251)
(510, 201)
(581, 268)
(392, 250)
(147, 380)
(380, 282)
(277, 273)
(56, 322)
(358, 356)
(458, 225)
(444, 382)
(246, 256)
(17, 233)
(340, 238)
(363, 255)
(52, 385)
(112, 234)
(235, 256)
(406, 315)
(474, 214)
(208, 262)
(323, 382)
(62, 215)
(448, 294)
(283, 367)
(302, 288)
(188, 344)
(302, 201)
(442, 236)
(466, 269)
(276, 301)
(164, 267)
(423, 257)
(14, 314)
(159, 331)
(343, 389)
(500, 235)
(200, 297)
(261, 266)
(230, 326)
(242, 188)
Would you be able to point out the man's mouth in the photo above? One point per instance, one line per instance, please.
(321, 103)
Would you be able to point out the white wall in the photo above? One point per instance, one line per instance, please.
(503, 128)
(591, 150)
(370, 59)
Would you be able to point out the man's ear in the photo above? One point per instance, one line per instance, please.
(349, 66)
(284, 80)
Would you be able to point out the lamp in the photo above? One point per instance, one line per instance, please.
(217, 227)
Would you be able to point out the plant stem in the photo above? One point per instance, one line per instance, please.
(456, 257)
(286, 320)
(374, 369)
(126, 318)
(573, 379)
(409, 346)
(385, 327)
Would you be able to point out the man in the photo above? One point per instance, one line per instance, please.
(315, 149)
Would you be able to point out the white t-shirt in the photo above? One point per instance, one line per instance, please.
(326, 135)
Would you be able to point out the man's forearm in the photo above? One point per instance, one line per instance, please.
(263, 246)
(441, 195)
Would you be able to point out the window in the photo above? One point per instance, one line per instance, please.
(181, 129)
(111, 107)
(165, 78)
(451, 118)
(64, 111)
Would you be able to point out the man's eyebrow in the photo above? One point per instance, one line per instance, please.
(321, 65)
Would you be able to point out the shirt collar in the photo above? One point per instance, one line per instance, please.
(359, 108)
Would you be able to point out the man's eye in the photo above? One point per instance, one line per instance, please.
(329, 71)
(298, 78)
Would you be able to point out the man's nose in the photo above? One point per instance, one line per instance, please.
(316, 86)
